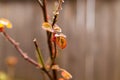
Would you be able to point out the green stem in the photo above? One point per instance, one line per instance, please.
(39, 53)
(41, 59)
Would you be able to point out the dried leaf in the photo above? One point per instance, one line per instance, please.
(61, 40)
(65, 74)
(5, 22)
(47, 26)
(1, 25)
(57, 28)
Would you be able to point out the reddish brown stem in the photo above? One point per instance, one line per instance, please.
(23, 54)
(51, 45)
(45, 11)
(55, 50)
(49, 34)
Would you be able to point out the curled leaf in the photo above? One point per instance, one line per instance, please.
(57, 28)
(5, 22)
(47, 26)
(65, 74)
(1, 25)
(61, 40)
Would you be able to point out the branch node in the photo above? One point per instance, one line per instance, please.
(25, 56)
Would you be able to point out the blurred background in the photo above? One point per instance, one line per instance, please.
(92, 28)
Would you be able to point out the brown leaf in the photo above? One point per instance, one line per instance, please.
(61, 41)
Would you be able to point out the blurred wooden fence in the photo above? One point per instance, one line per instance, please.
(93, 51)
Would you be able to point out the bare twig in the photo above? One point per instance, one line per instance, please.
(54, 43)
(23, 54)
(45, 11)
(51, 45)
(42, 62)
(49, 34)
